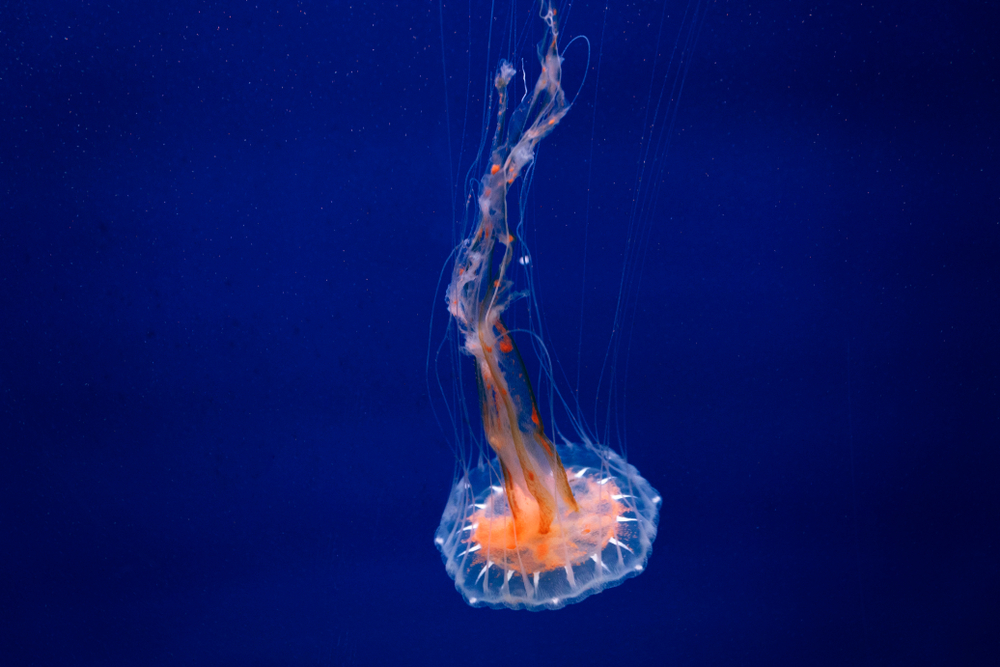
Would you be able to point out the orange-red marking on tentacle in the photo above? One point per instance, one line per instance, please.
(506, 344)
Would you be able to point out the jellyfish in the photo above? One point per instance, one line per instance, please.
(533, 524)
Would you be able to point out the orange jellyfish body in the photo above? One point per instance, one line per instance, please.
(537, 527)
(498, 561)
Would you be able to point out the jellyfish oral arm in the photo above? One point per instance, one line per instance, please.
(479, 293)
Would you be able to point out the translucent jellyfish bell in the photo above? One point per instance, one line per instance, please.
(499, 562)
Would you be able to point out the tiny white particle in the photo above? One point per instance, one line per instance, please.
(438, 540)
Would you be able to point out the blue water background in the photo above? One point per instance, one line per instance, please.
(221, 232)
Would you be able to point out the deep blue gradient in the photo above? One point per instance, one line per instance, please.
(221, 231)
